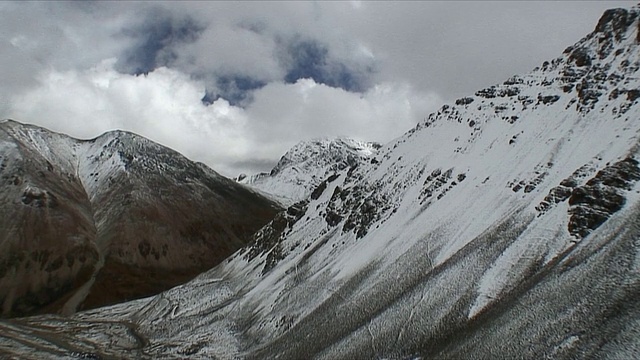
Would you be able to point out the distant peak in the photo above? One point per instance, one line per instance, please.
(339, 140)
(117, 133)
(13, 122)
(19, 126)
(122, 135)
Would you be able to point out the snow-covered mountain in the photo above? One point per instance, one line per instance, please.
(503, 226)
(95, 222)
(306, 165)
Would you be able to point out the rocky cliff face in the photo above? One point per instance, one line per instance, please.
(501, 226)
(89, 223)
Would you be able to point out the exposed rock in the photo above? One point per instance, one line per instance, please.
(580, 57)
(548, 99)
(602, 196)
(268, 239)
(588, 95)
(633, 95)
(464, 101)
(488, 93)
(615, 22)
(319, 190)
(333, 218)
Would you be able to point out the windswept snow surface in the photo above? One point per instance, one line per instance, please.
(502, 226)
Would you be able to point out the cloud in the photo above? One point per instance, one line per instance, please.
(155, 40)
(231, 49)
(308, 59)
(165, 105)
(236, 89)
(236, 53)
(235, 84)
(457, 47)
(290, 112)
(38, 36)
(450, 48)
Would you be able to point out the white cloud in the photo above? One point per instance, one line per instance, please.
(56, 71)
(304, 109)
(231, 50)
(165, 106)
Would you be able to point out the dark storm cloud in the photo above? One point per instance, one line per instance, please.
(299, 59)
(236, 89)
(310, 59)
(156, 39)
(162, 37)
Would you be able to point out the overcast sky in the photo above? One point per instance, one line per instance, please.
(236, 84)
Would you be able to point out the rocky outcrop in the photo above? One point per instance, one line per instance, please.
(602, 196)
(268, 241)
(593, 201)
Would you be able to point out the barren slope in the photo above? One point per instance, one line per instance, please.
(143, 215)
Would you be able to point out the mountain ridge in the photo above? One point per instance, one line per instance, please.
(501, 226)
(303, 167)
(123, 183)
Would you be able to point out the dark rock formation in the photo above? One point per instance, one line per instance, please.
(593, 203)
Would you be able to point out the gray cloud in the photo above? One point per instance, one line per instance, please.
(236, 84)
(460, 46)
(156, 39)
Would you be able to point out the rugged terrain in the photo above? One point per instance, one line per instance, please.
(96, 222)
(502, 226)
(303, 168)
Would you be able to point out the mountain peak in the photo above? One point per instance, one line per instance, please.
(616, 22)
(615, 32)
(303, 167)
(108, 219)
(327, 150)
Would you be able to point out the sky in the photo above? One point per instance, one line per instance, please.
(236, 84)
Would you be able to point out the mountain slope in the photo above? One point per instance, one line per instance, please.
(303, 168)
(504, 226)
(48, 234)
(142, 215)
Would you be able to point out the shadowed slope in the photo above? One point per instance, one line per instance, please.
(145, 217)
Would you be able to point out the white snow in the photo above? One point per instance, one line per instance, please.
(307, 164)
